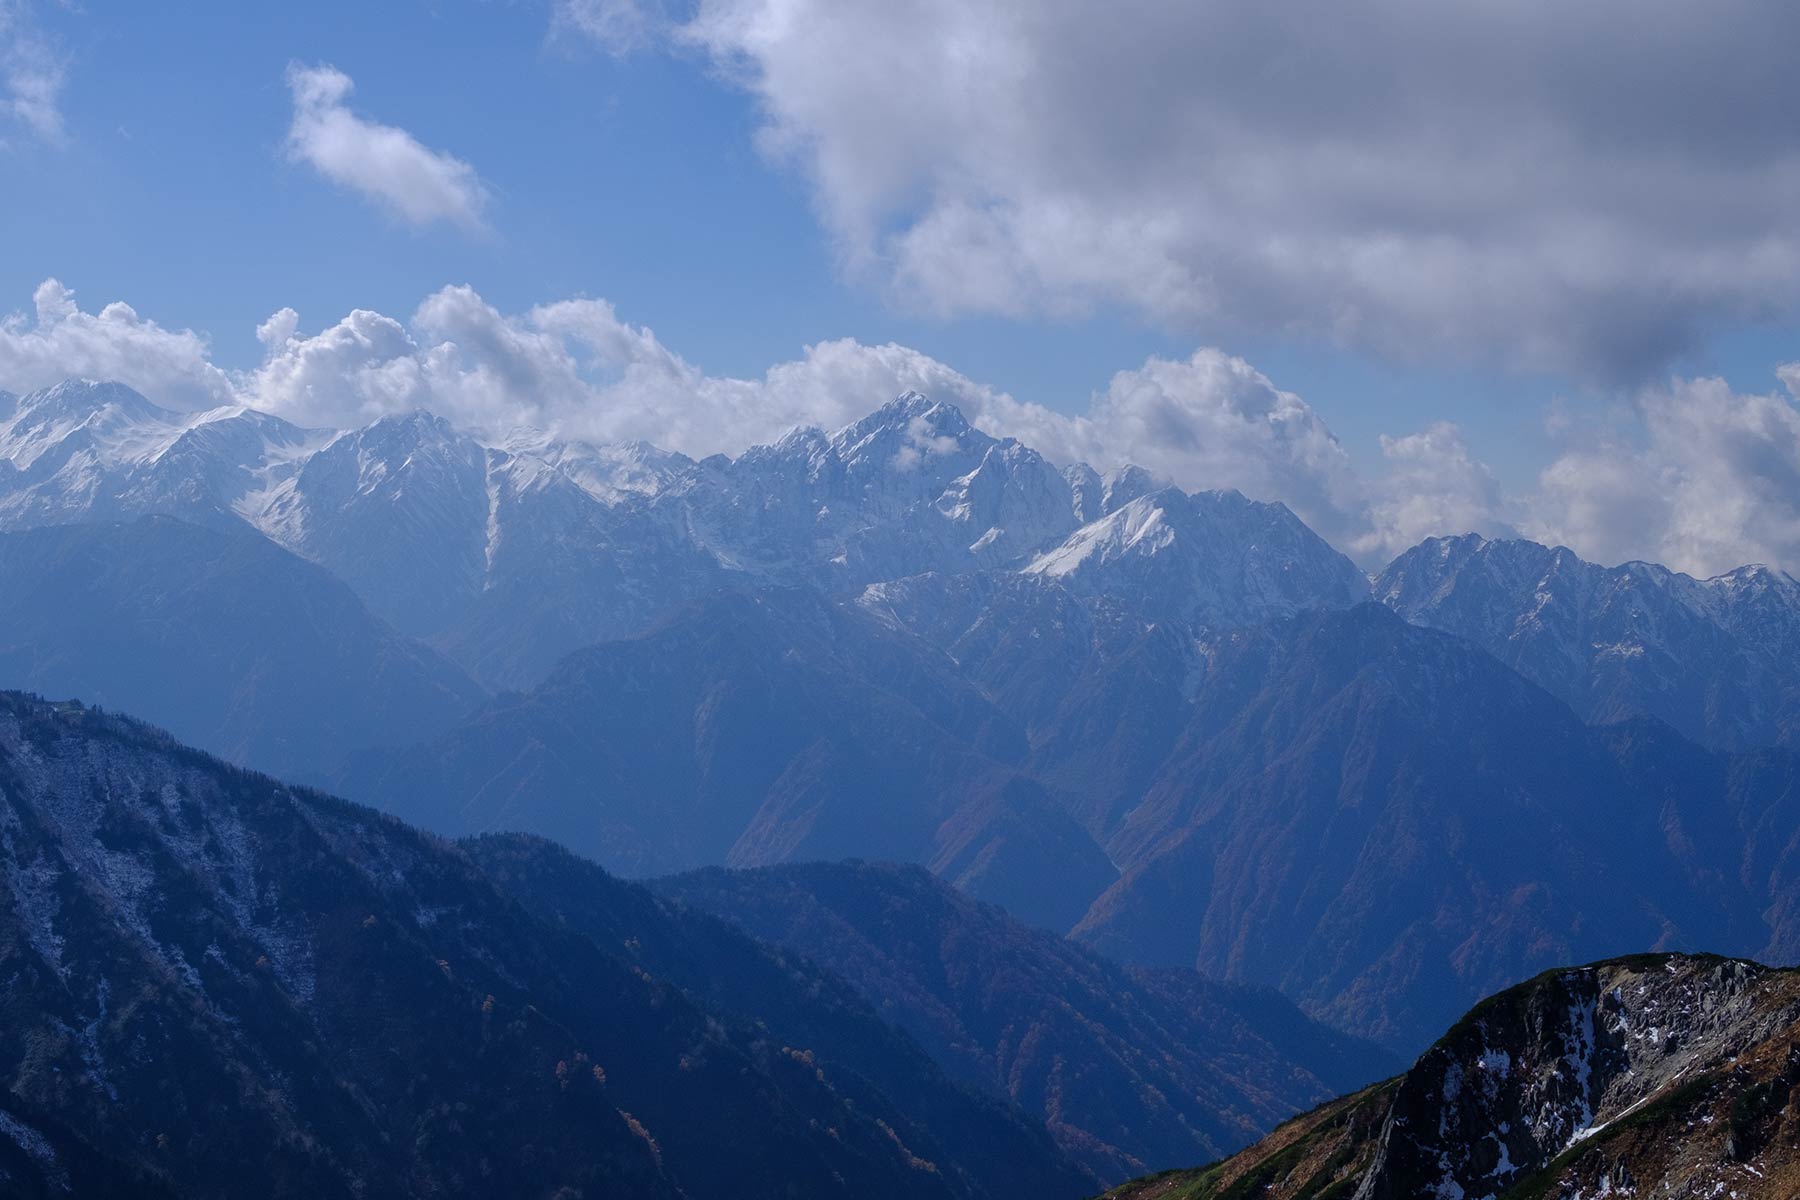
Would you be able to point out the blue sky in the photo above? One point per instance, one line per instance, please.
(631, 178)
(635, 173)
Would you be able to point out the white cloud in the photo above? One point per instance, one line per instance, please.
(364, 367)
(1699, 477)
(1434, 485)
(59, 341)
(1789, 374)
(1707, 479)
(385, 164)
(31, 78)
(620, 26)
(574, 366)
(1586, 186)
(1212, 421)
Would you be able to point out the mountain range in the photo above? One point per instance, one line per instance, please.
(1713, 658)
(1379, 820)
(508, 552)
(214, 977)
(753, 728)
(1181, 728)
(508, 556)
(1386, 823)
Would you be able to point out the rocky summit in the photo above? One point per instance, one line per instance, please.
(1655, 1075)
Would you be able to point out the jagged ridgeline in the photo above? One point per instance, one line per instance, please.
(217, 985)
(505, 553)
(1171, 725)
(1655, 1075)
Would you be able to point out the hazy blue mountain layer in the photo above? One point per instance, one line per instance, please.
(219, 984)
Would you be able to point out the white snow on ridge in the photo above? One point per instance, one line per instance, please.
(36, 1147)
(1140, 527)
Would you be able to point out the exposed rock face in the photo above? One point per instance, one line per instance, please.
(1718, 659)
(1658, 1075)
(1540, 1069)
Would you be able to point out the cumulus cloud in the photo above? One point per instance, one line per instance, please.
(1434, 485)
(1706, 480)
(575, 367)
(58, 341)
(1700, 477)
(383, 163)
(31, 78)
(365, 366)
(1210, 421)
(1585, 187)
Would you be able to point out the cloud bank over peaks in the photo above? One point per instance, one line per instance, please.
(573, 367)
(1701, 478)
(1209, 421)
(1434, 484)
(59, 340)
(382, 163)
(1704, 479)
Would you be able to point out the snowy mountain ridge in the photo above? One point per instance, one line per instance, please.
(506, 553)
(1712, 657)
(464, 541)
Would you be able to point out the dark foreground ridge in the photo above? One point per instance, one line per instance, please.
(1665, 1075)
(218, 985)
(1128, 1067)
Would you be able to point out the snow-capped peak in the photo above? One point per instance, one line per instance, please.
(1140, 527)
(608, 471)
(81, 397)
(429, 523)
(1707, 656)
(1215, 557)
(111, 421)
(906, 432)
